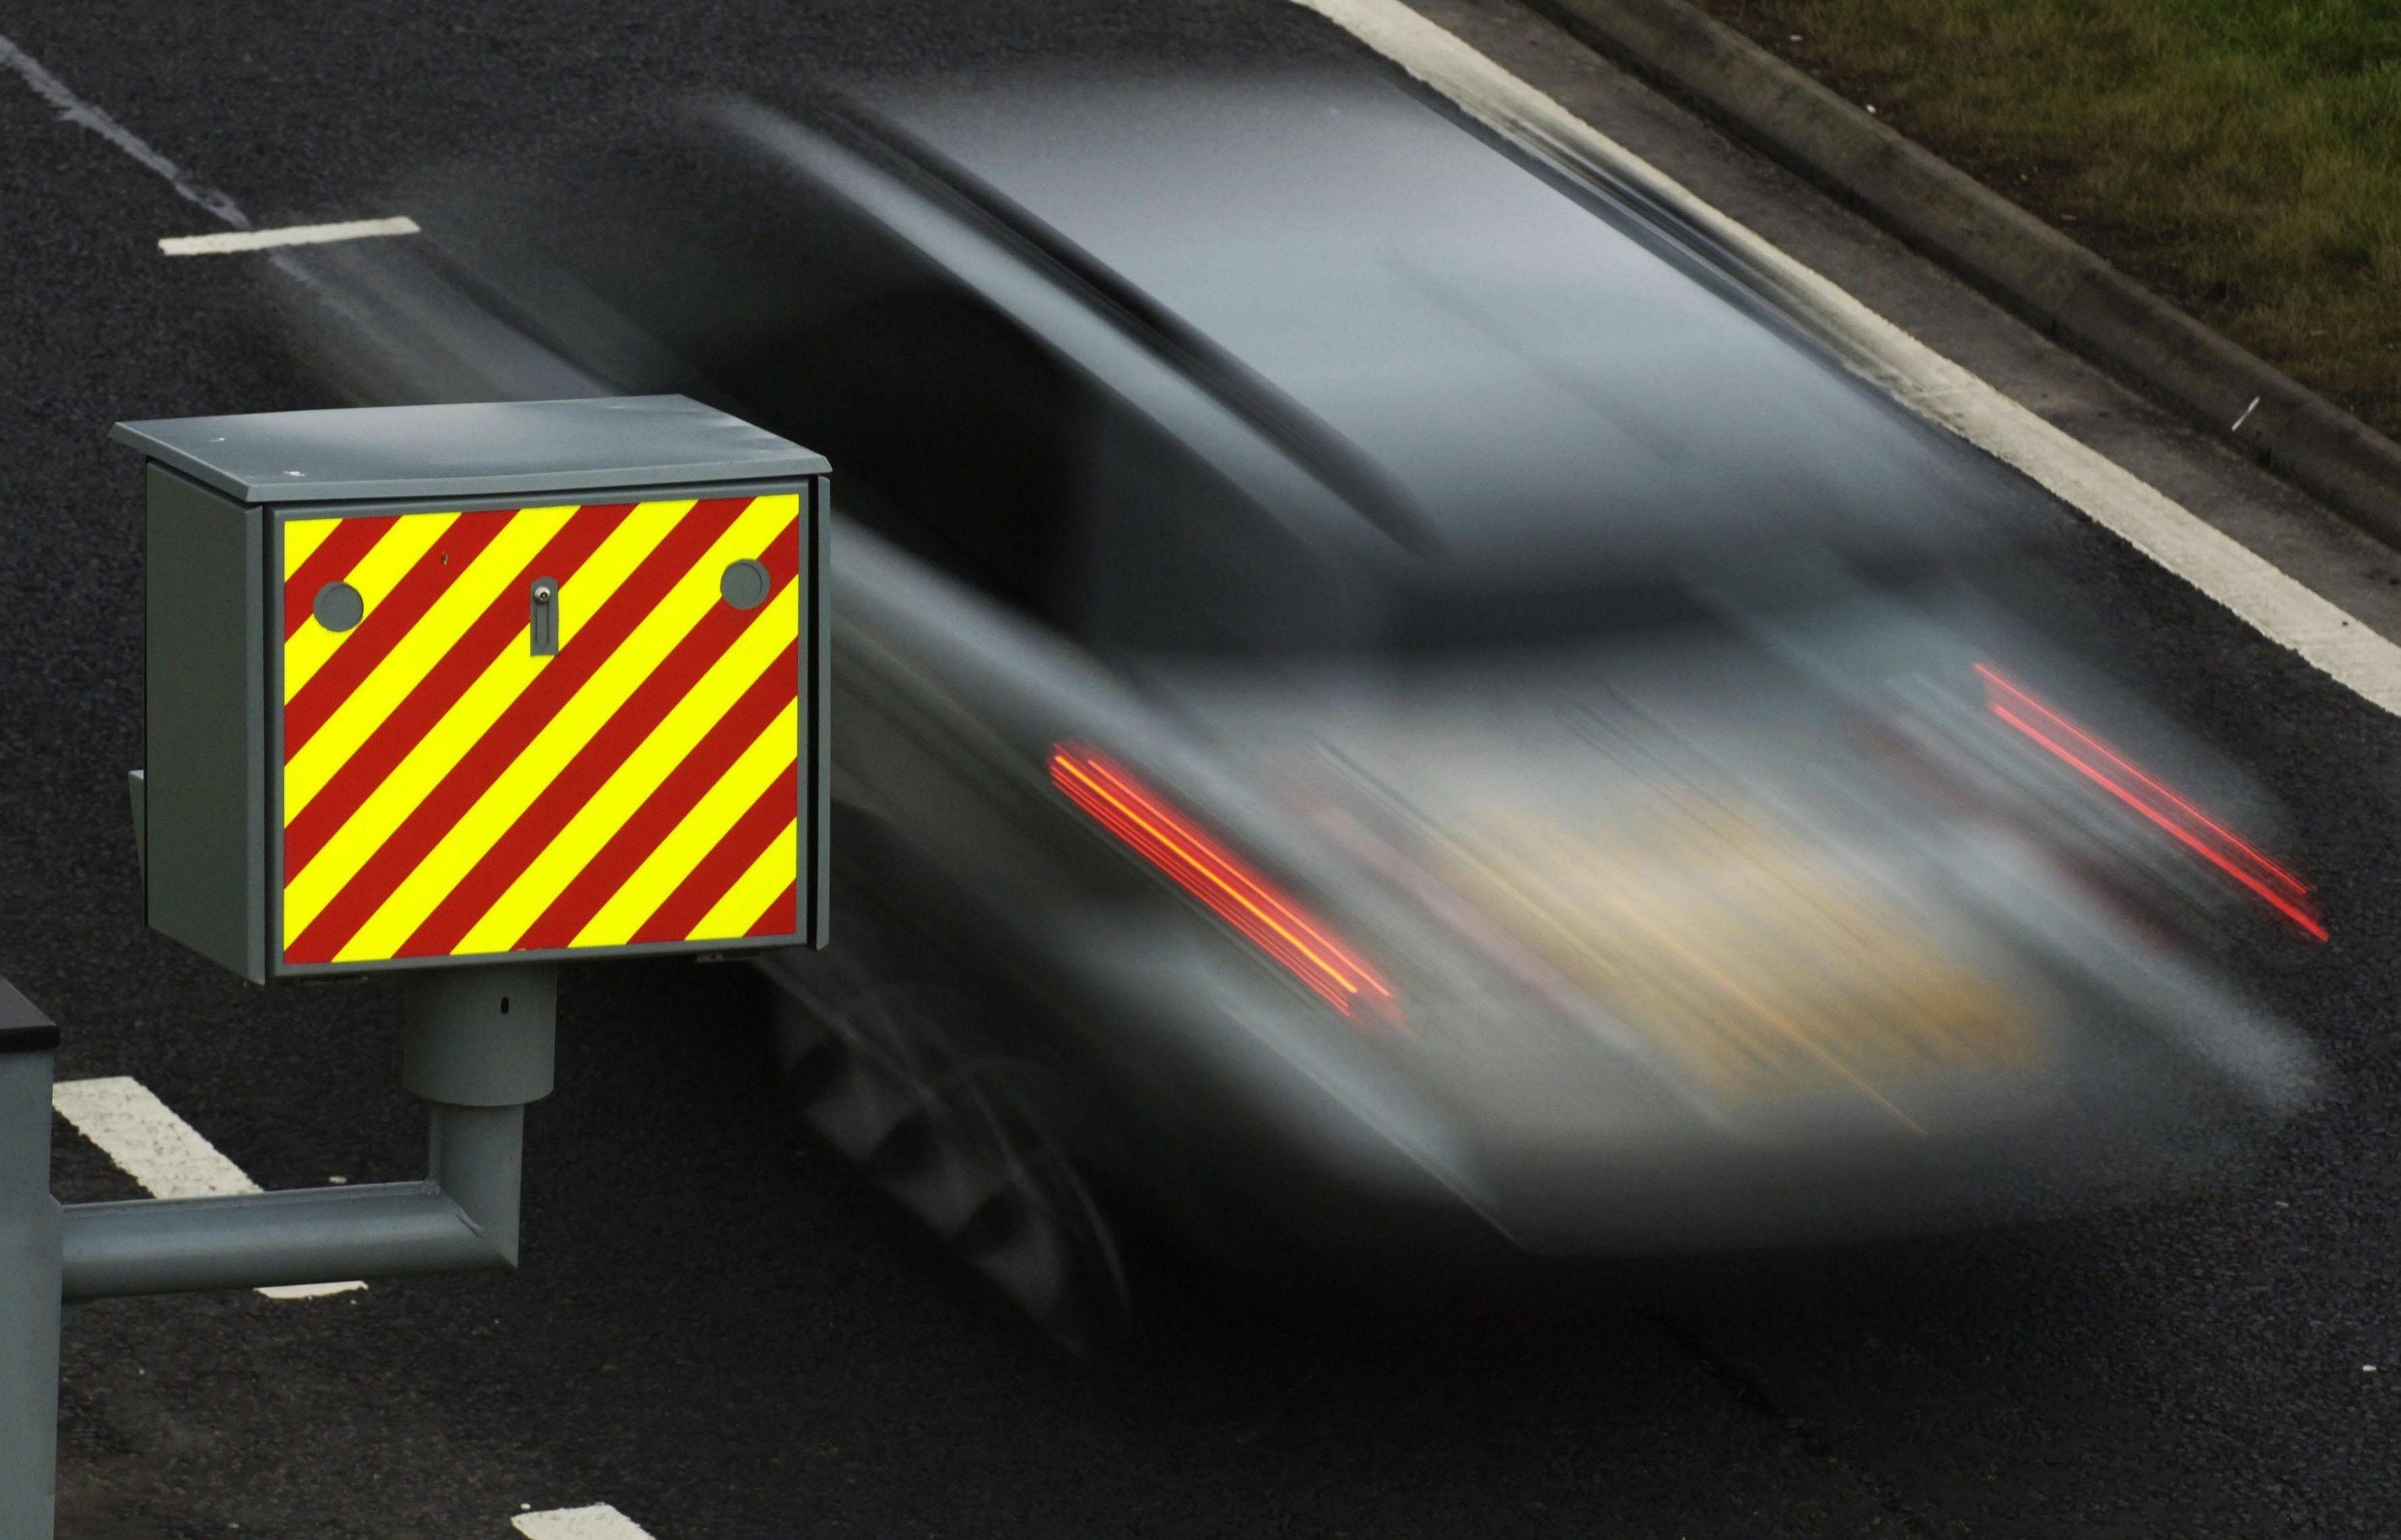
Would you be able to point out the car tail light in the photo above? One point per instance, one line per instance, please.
(2206, 836)
(1232, 890)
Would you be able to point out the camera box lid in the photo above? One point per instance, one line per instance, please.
(483, 449)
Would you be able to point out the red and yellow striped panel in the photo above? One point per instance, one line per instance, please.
(449, 792)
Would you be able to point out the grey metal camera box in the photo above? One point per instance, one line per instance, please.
(428, 684)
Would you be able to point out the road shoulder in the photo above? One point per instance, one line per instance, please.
(2294, 532)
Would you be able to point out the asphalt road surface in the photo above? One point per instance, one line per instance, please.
(722, 1335)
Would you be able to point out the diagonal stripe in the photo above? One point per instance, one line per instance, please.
(647, 825)
(583, 709)
(302, 536)
(752, 835)
(740, 696)
(782, 915)
(523, 536)
(313, 817)
(449, 542)
(329, 558)
(773, 870)
(397, 807)
(670, 541)
(375, 576)
(668, 713)
(768, 761)
(422, 762)
(728, 655)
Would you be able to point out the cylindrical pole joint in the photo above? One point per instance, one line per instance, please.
(481, 1037)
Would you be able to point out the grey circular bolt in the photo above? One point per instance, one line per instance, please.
(338, 607)
(544, 593)
(746, 583)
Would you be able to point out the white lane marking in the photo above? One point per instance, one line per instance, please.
(160, 1151)
(75, 109)
(291, 235)
(146, 1139)
(597, 1523)
(311, 1291)
(2270, 602)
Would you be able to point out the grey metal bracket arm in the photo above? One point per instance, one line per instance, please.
(309, 1235)
(477, 1044)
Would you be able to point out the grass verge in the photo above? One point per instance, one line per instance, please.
(2242, 157)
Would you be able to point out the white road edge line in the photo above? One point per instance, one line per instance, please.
(597, 1523)
(291, 235)
(2273, 603)
(75, 109)
(167, 1155)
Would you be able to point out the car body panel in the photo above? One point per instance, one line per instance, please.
(1184, 422)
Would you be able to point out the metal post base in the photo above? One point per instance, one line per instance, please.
(29, 1286)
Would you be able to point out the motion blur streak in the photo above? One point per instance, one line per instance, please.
(1211, 873)
(1385, 483)
(2227, 852)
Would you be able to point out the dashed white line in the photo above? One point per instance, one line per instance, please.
(291, 235)
(243, 238)
(2270, 602)
(597, 1523)
(75, 109)
(160, 1151)
(312, 1291)
(146, 1139)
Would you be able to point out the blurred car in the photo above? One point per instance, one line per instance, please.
(1386, 700)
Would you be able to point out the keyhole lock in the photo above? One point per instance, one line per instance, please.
(543, 623)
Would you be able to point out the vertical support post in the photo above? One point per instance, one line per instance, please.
(30, 1261)
(478, 1043)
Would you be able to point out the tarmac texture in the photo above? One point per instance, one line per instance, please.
(723, 1335)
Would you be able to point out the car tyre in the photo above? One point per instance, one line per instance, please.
(895, 1071)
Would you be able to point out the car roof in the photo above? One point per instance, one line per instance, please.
(1535, 379)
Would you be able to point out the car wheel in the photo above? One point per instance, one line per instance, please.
(893, 1071)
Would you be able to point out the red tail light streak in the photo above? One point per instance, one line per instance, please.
(2204, 836)
(1236, 893)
